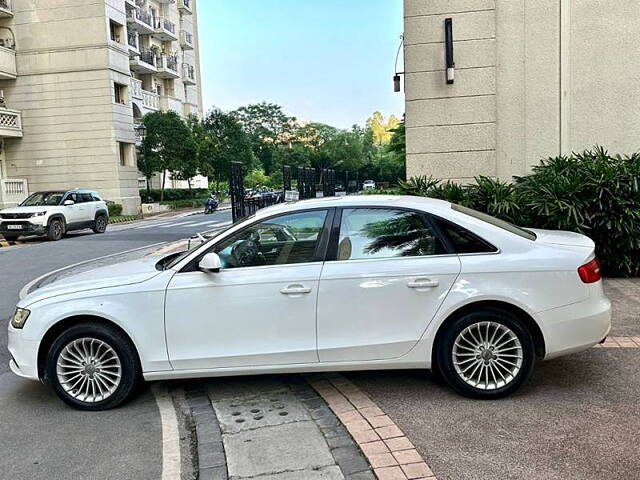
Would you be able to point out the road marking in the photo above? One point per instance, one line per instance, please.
(151, 226)
(170, 433)
(388, 450)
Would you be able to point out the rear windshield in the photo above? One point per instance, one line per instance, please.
(496, 222)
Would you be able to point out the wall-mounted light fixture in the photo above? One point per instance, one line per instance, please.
(396, 76)
(448, 50)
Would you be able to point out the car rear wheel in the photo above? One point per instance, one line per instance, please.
(55, 230)
(100, 224)
(486, 354)
(93, 367)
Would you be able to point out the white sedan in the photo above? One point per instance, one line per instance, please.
(345, 283)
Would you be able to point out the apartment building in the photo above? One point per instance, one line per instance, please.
(77, 76)
(531, 80)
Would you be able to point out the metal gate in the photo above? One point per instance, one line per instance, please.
(236, 191)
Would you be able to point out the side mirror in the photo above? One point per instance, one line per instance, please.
(210, 263)
(68, 203)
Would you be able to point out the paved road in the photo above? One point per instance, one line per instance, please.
(39, 437)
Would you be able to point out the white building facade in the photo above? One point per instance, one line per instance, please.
(533, 79)
(78, 76)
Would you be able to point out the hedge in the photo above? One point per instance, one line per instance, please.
(115, 209)
(174, 194)
(592, 193)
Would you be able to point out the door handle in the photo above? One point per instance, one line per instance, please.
(295, 290)
(423, 283)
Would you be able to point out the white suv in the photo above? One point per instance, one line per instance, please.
(54, 213)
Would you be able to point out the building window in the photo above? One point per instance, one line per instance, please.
(120, 93)
(116, 31)
(127, 154)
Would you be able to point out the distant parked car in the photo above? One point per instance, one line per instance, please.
(369, 185)
(53, 213)
(357, 282)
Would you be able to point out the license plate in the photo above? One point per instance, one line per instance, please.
(14, 227)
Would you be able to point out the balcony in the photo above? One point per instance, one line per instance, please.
(150, 100)
(8, 69)
(13, 191)
(171, 103)
(136, 88)
(184, 6)
(140, 21)
(188, 74)
(132, 42)
(6, 9)
(146, 62)
(186, 40)
(165, 30)
(168, 66)
(10, 123)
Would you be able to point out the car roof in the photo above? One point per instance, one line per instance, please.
(347, 201)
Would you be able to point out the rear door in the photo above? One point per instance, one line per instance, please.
(387, 275)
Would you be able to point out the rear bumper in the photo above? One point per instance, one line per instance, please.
(575, 327)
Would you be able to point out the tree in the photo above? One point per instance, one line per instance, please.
(267, 126)
(380, 128)
(222, 140)
(168, 146)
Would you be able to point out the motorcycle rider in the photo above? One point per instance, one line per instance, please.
(212, 204)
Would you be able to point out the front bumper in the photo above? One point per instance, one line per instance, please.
(24, 355)
(575, 327)
(26, 228)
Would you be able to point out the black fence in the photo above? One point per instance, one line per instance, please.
(244, 202)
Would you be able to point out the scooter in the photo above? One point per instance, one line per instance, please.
(211, 205)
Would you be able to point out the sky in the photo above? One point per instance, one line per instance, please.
(328, 61)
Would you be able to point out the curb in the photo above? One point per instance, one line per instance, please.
(391, 454)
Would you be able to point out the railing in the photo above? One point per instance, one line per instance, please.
(5, 4)
(170, 62)
(10, 120)
(13, 190)
(148, 56)
(136, 88)
(144, 17)
(150, 100)
(189, 72)
(132, 38)
(165, 24)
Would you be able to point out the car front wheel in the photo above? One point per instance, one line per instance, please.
(486, 354)
(93, 367)
(55, 230)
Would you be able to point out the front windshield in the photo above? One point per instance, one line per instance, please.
(42, 199)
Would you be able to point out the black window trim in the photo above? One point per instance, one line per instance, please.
(450, 244)
(319, 255)
(332, 251)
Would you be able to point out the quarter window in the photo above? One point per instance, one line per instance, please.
(385, 233)
(463, 240)
(287, 239)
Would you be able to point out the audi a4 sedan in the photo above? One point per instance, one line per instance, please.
(344, 283)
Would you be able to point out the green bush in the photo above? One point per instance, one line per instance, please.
(174, 194)
(592, 193)
(115, 209)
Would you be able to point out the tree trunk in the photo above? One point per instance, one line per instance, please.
(164, 178)
(189, 185)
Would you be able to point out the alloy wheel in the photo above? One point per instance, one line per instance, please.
(89, 370)
(487, 355)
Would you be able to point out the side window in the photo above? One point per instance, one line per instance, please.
(95, 197)
(277, 241)
(72, 196)
(85, 197)
(385, 233)
(463, 240)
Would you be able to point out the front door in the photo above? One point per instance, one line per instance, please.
(390, 274)
(260, 309)
(74, 214)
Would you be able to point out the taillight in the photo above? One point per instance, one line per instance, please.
(590, 272)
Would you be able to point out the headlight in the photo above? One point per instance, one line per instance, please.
(39, 214)
(20, 317)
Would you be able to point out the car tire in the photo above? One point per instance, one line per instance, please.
(55, 229)
(100, 224)
(11, 238)
(486, 354)
(93, 367)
